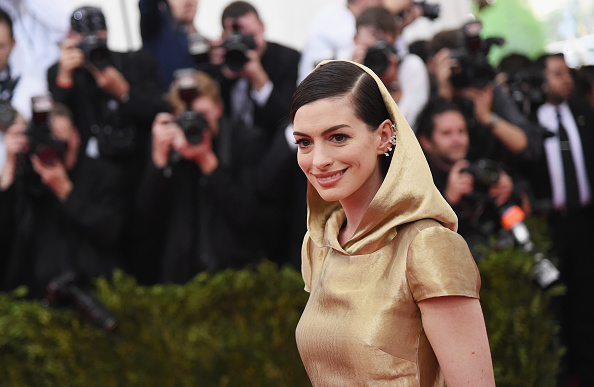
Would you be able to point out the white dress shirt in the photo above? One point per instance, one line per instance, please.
(547, 117)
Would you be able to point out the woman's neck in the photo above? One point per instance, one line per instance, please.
(355, 207)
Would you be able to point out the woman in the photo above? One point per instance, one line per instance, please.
(393, 289)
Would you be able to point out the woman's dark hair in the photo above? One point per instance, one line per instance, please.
(341, 79)
(336, 80)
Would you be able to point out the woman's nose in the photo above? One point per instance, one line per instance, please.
(321, 157)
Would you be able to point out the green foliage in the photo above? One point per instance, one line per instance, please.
(229, 329)
(523, 333)
(514, 21)
(237, 328)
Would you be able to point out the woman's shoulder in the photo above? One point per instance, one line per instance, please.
(414, 228)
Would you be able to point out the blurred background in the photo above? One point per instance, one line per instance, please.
(529, 26)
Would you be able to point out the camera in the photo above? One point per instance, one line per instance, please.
(88, 21)
(378, 56)
(192, 123)
(485, 172)
(430, 11)
(236, 47)
(525, 88)
(473, 69)
(511, 218)
(95, 51)
(65, 290)
(41, 142)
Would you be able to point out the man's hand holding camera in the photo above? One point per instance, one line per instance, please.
(16, 142)
(482, 101)
(54, 176)
(252, 70)
(501, 191)
(459, 184)
(107, 78)
(169, 137)
(71, 58)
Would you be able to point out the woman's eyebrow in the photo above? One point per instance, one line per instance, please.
(325, 132)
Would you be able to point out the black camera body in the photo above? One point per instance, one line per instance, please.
(95, 51)
(430, 11)
(192, 123)
(378, 56)
(526, 89)
(485, 172)
(65, 290)
(41, 142)
(236, 47)
(473, 70)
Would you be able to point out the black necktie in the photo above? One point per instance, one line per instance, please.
(572, 193)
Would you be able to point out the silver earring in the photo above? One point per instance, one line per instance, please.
(392, 141)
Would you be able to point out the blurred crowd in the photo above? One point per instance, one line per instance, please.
(179, 158)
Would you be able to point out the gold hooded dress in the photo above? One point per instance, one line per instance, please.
(361, 325)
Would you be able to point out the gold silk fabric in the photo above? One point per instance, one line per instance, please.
(361, 325)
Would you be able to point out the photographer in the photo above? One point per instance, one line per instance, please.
(444, 137)
(15, 91)
(258, 78)
(405, 77)
(462, 74)
(198, 198)
(564, 179)
(62, 211)
(168, 32)
(113, 96)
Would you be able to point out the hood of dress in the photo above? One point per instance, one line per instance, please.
(406, 194)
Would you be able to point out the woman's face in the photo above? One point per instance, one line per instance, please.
(337, 151)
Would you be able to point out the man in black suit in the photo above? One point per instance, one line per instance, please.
(564, 178)
(257, 86)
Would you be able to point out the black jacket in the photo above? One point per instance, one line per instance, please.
(91, 105)
(281, 64)
(48, 237)
(538, 172)
(195, 222)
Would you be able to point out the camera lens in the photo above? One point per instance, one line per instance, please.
(378, 57)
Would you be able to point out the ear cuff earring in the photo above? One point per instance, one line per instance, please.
(392, 141)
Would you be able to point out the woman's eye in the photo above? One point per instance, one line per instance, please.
(339, 138)
(303, 143)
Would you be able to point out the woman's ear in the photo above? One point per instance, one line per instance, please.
(385, 131)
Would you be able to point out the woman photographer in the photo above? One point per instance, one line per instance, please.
(198, 197)
(393, 289)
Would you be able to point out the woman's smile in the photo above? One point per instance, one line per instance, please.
(330, 178)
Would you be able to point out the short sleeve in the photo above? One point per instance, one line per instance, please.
(439, 263)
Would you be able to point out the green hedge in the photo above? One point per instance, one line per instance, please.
(236, 328)
(230, 329)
